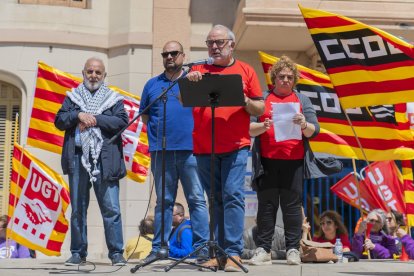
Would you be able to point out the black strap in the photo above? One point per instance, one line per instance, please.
(147, 238)
(181, 231)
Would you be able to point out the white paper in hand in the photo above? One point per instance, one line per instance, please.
(283, 124)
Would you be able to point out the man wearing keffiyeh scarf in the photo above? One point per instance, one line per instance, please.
(90, 115)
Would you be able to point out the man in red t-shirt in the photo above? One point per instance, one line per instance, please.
(232, 142)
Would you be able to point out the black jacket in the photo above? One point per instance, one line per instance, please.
(111, 121)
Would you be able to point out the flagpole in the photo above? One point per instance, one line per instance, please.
(364, 155)
(15, 142)
(361, 211)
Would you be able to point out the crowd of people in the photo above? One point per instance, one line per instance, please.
(182, 152)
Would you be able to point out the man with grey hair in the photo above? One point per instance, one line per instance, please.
(90, 115)
(232, 142)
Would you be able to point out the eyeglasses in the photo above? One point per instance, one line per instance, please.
(373, 221)
(172, 53)
(282, 77)
(328, 222)
(219, 42)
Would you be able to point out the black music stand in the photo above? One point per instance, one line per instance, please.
(212, 91)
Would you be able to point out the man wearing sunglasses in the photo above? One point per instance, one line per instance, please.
(179, 160)
(232, 142)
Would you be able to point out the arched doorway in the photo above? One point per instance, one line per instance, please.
(10, 105)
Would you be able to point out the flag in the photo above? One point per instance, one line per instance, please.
(51, 87)
(38, 201)
(384, 131)
(347, 190)
(385, 182)
(367, 66)
(407, 173)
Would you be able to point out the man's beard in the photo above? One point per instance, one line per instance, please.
(92, 87)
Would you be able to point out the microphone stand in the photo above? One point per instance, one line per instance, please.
(162, 254)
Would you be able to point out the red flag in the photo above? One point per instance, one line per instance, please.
(384, 180)
(347, 190)
(38, 201)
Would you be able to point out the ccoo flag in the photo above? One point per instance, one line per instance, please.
(366, 65)
(38, 201)
(384, 131)
(51, 87)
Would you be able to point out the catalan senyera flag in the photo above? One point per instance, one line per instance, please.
(407, 173)
(51, 87)
(384, 131)
(366, 65)
(38, 201)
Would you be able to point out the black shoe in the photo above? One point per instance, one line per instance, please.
(75, 259)
(149, 259)
(118, 260)
(202, 257)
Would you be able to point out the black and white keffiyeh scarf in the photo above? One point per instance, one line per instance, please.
(91, 138)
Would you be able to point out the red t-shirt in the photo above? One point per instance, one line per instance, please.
(344, 239)
(231, 123)
(269, 148)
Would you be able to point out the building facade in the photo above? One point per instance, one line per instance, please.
(128, 35)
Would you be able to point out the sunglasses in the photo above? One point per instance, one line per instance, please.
(219, 42)
(282, 77)
(328, 222)
(172, 53)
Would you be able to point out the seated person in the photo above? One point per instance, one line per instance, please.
(379, 243)
(332, 228)
(8, 247)
(394, 221)
(407, 242)
(181, 238)
(139, 247)
(278, 250)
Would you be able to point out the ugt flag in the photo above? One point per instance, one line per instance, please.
(367, 66)
(38, 201)
(355, 192)
(384, 131)
(51, 87)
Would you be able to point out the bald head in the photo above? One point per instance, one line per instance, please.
(93, 73)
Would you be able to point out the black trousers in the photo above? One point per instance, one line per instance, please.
(281, 183)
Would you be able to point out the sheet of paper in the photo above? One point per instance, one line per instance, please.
(283, 124)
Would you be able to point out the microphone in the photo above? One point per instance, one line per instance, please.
(208, 61)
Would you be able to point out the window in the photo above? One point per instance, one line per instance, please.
(68, 3)
(10, 101)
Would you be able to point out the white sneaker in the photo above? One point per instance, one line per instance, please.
(261, 257)
(293, 257)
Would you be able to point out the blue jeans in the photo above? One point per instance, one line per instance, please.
(179, 164)
(229, 176)
(107, 195)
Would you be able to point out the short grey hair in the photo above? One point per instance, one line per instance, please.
(229, 32)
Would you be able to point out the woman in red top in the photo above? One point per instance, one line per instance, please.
(282, 152)
(332, 228)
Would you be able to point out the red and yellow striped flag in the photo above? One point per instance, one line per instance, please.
(384, 131)
(51, 87)
(407, 172)
(366, 65)
(38, 201)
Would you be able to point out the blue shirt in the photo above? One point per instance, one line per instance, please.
(181, 240)
(179, 119)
